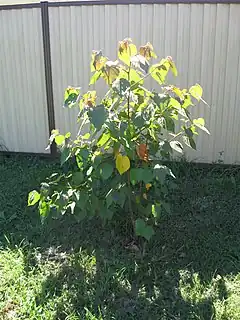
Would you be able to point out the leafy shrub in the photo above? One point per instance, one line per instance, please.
(119, 164)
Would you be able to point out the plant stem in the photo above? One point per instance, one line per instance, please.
(130, 200)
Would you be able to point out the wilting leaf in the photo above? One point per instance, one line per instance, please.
(147, 51)
(98, 116)
(98, 61)
(142, 152)
(148, 186)
(126, 50)
(172, 66)
(122, 163)
(143, 230)
(33, 198)
(196, 91)
(111, 72)
(200, 123)
(71, 96)
(89, 98)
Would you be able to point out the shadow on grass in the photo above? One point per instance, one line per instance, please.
(197, 242)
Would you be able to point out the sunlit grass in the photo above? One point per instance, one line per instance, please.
(65, 270)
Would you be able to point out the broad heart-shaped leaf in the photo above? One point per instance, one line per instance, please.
(77, 178)
(177, 146)
(200, 123)
(33, 198)
(189, 141)
(141, 63)
(161, 171)
(98, 116)
(143, 230)
(159, 71)
(71, 96)
(105, 170)
(59, 139)
(122, 163)
(138, 120)
(196, 91)
(136, 175)
(65, 155)
(121, 86)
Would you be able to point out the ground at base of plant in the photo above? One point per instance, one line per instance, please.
(64, 270)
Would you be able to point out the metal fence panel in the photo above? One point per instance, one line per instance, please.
(23, 112)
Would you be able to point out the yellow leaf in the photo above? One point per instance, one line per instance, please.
(145, 196)
(148, 186)
(122, 163)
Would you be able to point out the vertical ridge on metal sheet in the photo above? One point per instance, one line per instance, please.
(48, 69)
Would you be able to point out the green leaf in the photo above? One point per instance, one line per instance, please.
(72, 206)
(77, 178)
(138, 120)
(60, 139)
(98, 116)
(33, 198)
(121, 86)
(95, 77)
(141, 63)
(44, 209)
(189, 141)
(109, 198)
(156, 210)
(196, 91)
(159, 71)
(71, 96)
(65, 155)
(103, 139)
(86, 136)
(177, 146)
(200, 123)
(147, 175)
(106, 170)
(161, 171)
(136, 175)
(143, 230)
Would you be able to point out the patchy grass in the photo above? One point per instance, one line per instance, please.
(64, 270)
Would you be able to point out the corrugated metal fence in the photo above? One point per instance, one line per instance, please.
(203, 38)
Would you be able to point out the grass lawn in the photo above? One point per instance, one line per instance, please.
(64, 270)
